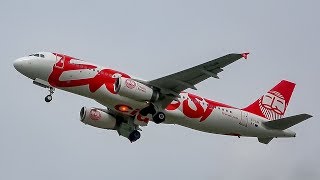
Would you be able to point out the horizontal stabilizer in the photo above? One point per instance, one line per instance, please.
(265, 140)
(285, 123)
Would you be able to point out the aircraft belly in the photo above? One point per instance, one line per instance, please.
(79, 90)
(215, 123)
(222, 123)
(219, 123)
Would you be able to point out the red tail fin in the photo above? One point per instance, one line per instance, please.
(274, 103)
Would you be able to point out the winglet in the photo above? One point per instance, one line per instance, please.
(245, 55)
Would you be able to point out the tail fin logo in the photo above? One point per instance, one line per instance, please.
(273, 105)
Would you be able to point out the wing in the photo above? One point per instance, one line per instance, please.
(170, 86)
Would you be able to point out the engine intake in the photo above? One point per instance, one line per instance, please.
(130, 88)
(97, 118)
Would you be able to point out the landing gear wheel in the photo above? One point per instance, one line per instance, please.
(135, 135)
(159, 117)
(48, 98)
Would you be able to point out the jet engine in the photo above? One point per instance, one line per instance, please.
(132, 89)
(97, 118)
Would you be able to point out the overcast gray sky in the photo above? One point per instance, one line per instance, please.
(150, 39)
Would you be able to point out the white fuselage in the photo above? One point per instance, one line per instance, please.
(85, 79)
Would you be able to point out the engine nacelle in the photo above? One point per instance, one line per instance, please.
(97, 118)
(132, 89)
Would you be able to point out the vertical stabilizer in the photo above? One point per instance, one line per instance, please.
(274, 103)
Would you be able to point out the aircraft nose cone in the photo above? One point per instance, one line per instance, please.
(18, 64)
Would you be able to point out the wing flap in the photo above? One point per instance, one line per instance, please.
(214, 75)
(264, 140)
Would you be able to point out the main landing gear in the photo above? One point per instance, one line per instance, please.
(48, 98)
(158, 117)
(128, 129)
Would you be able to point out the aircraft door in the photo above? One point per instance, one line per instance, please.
(244, 118)
(59, 61)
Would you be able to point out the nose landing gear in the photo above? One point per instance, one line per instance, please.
(48, 98)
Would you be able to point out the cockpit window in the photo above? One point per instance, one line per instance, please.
(37, 55)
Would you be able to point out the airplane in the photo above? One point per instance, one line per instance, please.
(132, 102)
